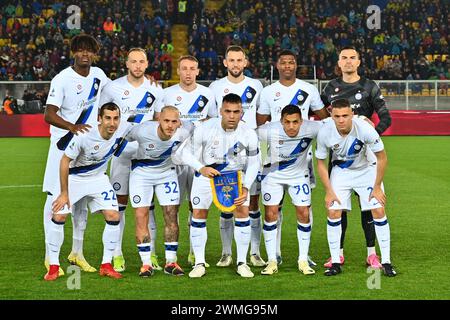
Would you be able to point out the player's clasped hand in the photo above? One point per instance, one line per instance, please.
(59, 203)
(378, 194)
(209, 172)
(80, 128)
(239, 201)
(331, 197)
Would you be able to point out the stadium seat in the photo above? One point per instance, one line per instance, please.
(425, 92)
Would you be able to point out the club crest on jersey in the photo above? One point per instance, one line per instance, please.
(79, 87)
(216, 142)
(179, 98)
(280, 141)
(226, 91)
(336, 146)
(336, 90)
(126, 92)
(358, 96)
(151, 146)
(277, 94)
(96, 147)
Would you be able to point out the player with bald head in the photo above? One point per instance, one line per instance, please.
(153, 173)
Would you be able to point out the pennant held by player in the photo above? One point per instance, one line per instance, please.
(226, 188)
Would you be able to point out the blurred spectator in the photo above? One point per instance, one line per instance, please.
(36, 46)
(413, 38)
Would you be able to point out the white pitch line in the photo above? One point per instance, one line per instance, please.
(21, 186)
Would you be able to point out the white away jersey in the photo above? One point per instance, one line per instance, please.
(153, 153)
(193, 106)
(276, 96)
(136, 104)
(90, 153)
(210, 145)
(349, 151)
(249, 90)
(287, 157)
(77, 97)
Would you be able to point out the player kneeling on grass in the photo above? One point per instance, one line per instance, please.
(220, 145)
(83, 177)
(288, 143)
(153, 172)
(349, 138)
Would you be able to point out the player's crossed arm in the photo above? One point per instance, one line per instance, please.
(51, 117)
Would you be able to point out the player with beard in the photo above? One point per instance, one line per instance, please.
(249, 90)
(137, 98)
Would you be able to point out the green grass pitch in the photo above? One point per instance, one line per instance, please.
(418, 189)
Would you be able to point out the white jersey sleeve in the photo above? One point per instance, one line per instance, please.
(56, 93)
(322, 148)
(264, 106)
(75, 146)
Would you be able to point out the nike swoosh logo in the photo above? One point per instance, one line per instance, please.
(173, 199)
(177, 104)
(79, 92)
(276, 99)
(333, 96)
(304, 200)
(125, 98)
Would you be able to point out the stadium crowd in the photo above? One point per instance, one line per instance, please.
(34, 37)
(412, 42)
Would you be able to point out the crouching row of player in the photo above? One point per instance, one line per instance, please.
(218, 145)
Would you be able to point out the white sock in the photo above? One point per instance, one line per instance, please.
(55, 241)
(47, 221)
(242, 236)
(334, 231)
(311, 219)
(152, 227)
(226, 232)
(304, 238)
(171, 251)
(198, 237)
(270, 239)
(279, 224)
(111, 235)
(341, 251)
(371, 250)
(145, 253)
(189, 224)
(79, 222)
(255, 224)
(118, 250)
(383, 234)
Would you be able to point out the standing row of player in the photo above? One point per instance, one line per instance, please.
(142, 163)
